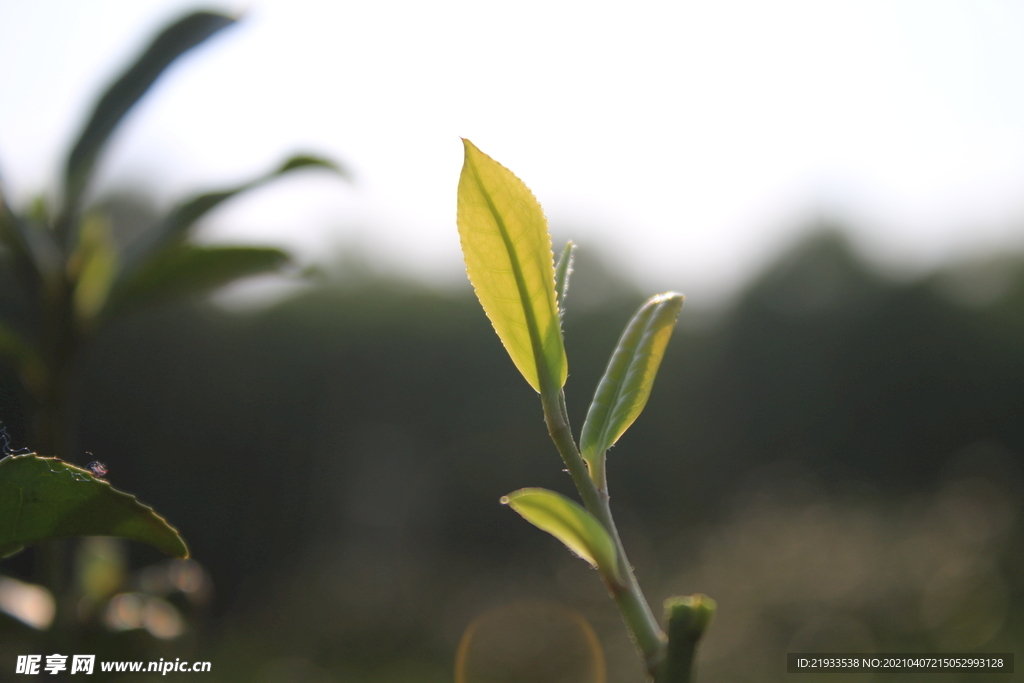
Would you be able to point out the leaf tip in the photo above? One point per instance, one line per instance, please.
(297, 161)
(470, 149)
(667, 296)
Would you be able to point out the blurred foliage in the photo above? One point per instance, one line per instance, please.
(848, 448)
(67, 272)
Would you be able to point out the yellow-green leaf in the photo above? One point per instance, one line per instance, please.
(570, 523)
(508, 256)
(623, 391)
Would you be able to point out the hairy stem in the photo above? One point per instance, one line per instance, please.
(640, 621)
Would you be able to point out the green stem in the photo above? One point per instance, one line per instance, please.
(640, 621)
(48, 436)
(678, 665)
(597, 472)
(688, 619)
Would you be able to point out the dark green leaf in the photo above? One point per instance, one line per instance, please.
(188, 270)
(308, 160)
(45, 498)
(185, 215)
(626, 385)
(563, 269)
(180, 220)
(122, 95)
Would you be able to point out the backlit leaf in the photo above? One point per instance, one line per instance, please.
(507, 249)
(623, 391)
(46, 498)
(570, 523)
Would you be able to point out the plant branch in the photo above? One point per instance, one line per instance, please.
(640, 621)
(688, 617)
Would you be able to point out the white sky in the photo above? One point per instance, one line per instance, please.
(689, 140)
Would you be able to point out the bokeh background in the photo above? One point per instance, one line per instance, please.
(833, 449)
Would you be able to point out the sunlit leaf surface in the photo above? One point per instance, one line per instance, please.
(508, 256)
(569, 522)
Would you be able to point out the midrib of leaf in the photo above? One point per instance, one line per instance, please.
(609, 421)
(626, 385)
(609, 418)
(543, 376)
(619, 390)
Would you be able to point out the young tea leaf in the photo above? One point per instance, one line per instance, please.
(570, 523)
(626, 385)
(563, 269)
(508, 256)
(46, 498)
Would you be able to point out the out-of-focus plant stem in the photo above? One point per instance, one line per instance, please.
(48, 430)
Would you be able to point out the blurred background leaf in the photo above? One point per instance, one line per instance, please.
(191, 270)
(181, 36)
(61, 272)
(176, 226)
